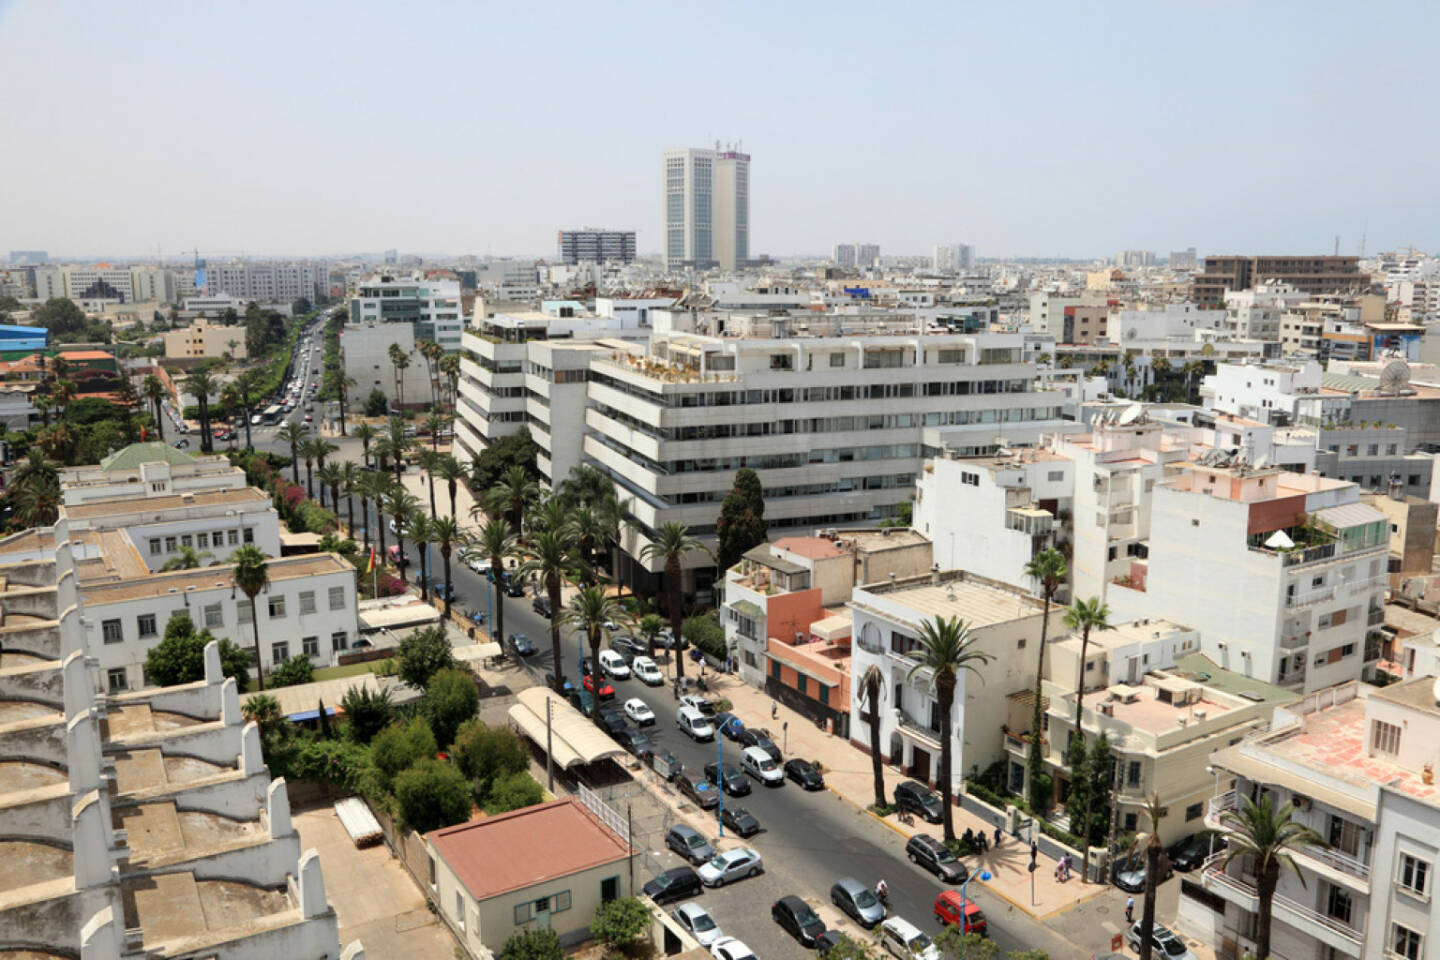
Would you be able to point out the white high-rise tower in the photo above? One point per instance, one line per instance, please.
(707, 208)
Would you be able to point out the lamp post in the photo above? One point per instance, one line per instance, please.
(720, 782)
(985, 876)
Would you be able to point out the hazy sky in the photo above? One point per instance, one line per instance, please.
(331, 126)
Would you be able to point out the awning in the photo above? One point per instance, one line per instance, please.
(747, 609)
(832, 628)
(574, 738)
(477, 651)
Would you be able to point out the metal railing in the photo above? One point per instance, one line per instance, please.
(921, 729)
(1310, 599)
(1336, 860)
(602, 810)
(1296, 558)
(1212, 872)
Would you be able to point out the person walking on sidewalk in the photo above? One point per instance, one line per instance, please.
(1130, 910)
(774, 711)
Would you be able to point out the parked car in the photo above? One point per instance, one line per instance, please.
(762, 766)
(564, 689)
(688, 842)
(629, 647)
(904, 940)
(950, 907)
(804, 773)
(1130, 873)
(612, 720)
(759, 737)
(541, 605)
(914, 797)
(613, 665)
(700, 792)
(582, 700)
(730, 725)
(636, 710)
(479, 564)
(521, 645)
(649, 674)
(736, 863)
(677, 883)
(1189, 853)
(703, 705)
(934, 856)
(635, 742)
(600, 687)
(1167, 943)
(695, 725)
(729, 948)
(515, 587)
(728, 777)
(740, 820)
(828, 941)
(857, 901)
(698, 923)
(797, 919)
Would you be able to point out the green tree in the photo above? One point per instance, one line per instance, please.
(376, 403)
(946, 648)
(589, 612)
(452, 472)
(251, 574)
(872, 686)
(59, 315)
(705, 632)
(671, 547)
(400, 505)
(513, 791)
(621, 923)
(1265, 837)
(187, 558)
(533, 944)
(292, 672)
(1153, 852)
(294, 436)
(850, 948)
(180, 656)
(551, 556)
(517, 450)
(366, 434)
(1048, 568)
(203, 386)
(423, 654)
(485, 753)
(450, 700)
(651, 626)
(512, 495)
(742, 518)
(400, 361)
(399, 746)
(154, 392)
(446, 534)
(263, 710)
(955, 943)
(1098, 777)
(1085, 615)
(498, 543)
(368, 712)
(433, 794)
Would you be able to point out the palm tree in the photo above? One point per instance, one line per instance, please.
(452, 472)
(497, 541)
(37, 505)
(187, 559)
(551, 556)
(43, 404)
(1085, 615)
(513, 494)
(394, 444)
(247, 388)
(590, 611)
(1153, 850)
(651, 626)
(552, 513)
(430, 462)
(417, 528)
(251, 575)
(873, 686)
(202, 385)
(589, 530)
(430, 352)
(36, 469)
(154, 391)
(331, 476)
(450, 368)
(447, 535)
(323, 449)
(373, 486)
(946, 648)
(1048, 567)
(294, 434)
(350, 481)
(365, 433)
(671, 547)
(340, 384)
(586, 486)
(1266, 836)
(399, 505)
(614, 515)
(401, 362)
(435, 423)
(308, 451)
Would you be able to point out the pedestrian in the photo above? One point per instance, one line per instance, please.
(1130, 910)
(997, 836)
(774, 710)
(969, 837)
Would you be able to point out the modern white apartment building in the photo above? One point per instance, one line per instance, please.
(1283, 574)
(1359, 770)
(593, 245)
(124, 285)
(1167, 320)
(954, 257)
(269, 282)
(1267, 392)
(1255, 314)
(706, 196)
(431, 306)
(844, 256)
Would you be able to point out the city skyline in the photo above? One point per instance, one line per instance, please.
(1050, 161)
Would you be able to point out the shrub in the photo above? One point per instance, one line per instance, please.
(485, 754)
(423, 654)
(620, 922)
(450, 700)
(512, 792)
(292, 672)
(533, 944)
(704, 630)
(375, 404)
(399, 746)
(180, 657)
(433, 794)
(368, 712)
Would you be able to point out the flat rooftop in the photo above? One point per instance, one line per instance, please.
(245, 496)
(1124, 634)
(979, 602)
(209, 578)
(1146, 711)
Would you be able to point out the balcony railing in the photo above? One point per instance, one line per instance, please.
(1302, 600)
(1297, 558)
(1218, 805)
(1335, 859)
(922, 730)
(1287, 911)
(1375, 617)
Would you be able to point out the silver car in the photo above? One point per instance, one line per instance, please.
(857, 901)
(698, 923)
(731, 865)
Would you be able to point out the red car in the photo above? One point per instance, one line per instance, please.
(606, 692)
(948, 909)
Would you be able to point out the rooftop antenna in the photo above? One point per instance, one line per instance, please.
(1337, 244)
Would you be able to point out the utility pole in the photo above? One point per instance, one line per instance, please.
(1114, 809)
(630, 847)
(549, 750)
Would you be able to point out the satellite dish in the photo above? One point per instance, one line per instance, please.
(1394, 377)
(1132, 413)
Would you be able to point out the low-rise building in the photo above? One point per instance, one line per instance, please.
(150, 471)
(205, 339)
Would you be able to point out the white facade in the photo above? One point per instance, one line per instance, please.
(844, 256)
(148, 470)
(1261, 391)
(125, 285)
(688, 202)
(1171, 320)
(954, 257)
(365, 348)
(732, 209)
(430, 305)
(268, 282)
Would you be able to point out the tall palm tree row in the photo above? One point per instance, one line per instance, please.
(430, 463)
(591, 611)
(294, 435)
(400, 360)
(448, 534)
(417, 527)
(331, 477)
(550, 555)
(202, 385)
(452, 472)
(1265, 835)
(1047, 567)
(400, 505)
(350, 482)
(251, 574)
(947, 648)
(154, 391)
(671, 547)
(496, 540)
(366, 434)
(513, 495)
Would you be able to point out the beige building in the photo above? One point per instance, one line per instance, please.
(1412, 522)
(547, 866)
(205, 339)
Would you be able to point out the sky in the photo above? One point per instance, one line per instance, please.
(326, 127)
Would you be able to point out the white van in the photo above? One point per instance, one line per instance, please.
(904, 940)
(613, 665)
(696, 725)
(761, 766)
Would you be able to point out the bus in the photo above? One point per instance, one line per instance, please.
(272, 414)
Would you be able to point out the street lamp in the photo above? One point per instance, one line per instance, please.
(985, 876)
(720, 781)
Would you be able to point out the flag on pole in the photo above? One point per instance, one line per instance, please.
(371, 567)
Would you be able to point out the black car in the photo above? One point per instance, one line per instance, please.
(934, 856)
(516, 588)
(541, 605)
(730, 725)
(521, 645)
(635, 742)
(828, 941)
(612, 720)
(1192, 851)
(677, 883)
(566, 688)
(740, 820)
(582, 700)
(798, 920)
(804, 773)
(728, 776)
(700, 791)
(914, 796)
(629, 647)
(759, 737)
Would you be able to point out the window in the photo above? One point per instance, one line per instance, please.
(169, 544)
(1194, 812)
(901, 644)
(1405, 942)
(242, 611)
(277, 606)
(1055, 476)
(337, 598)
(202, 540)
(145, 624)
(280, 651)
(836, 360)
(249, 535)
(1131, 821)
(1345, 835)
(214, 615)
(800, 684)
(1384, 737)
(218, 538)
(116, 679)
(610, 886)
(154, 546)
(307, 601)
(232, 537)
(186, 540)
(971, 479)
(111, 632)
(339, 640)
(1132, 774)
(1337, 904)
(1413, 875)
(310, 646)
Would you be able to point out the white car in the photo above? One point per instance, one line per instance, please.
(647, 671)
(479, 564)
(762, 767)
(729, 948)
(613, 665)
(636, 710)
(729, 865)
(698, 923)
(1167, 944)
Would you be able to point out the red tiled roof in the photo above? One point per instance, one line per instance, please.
(525, 847)
(811, 548)
(86, 355)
